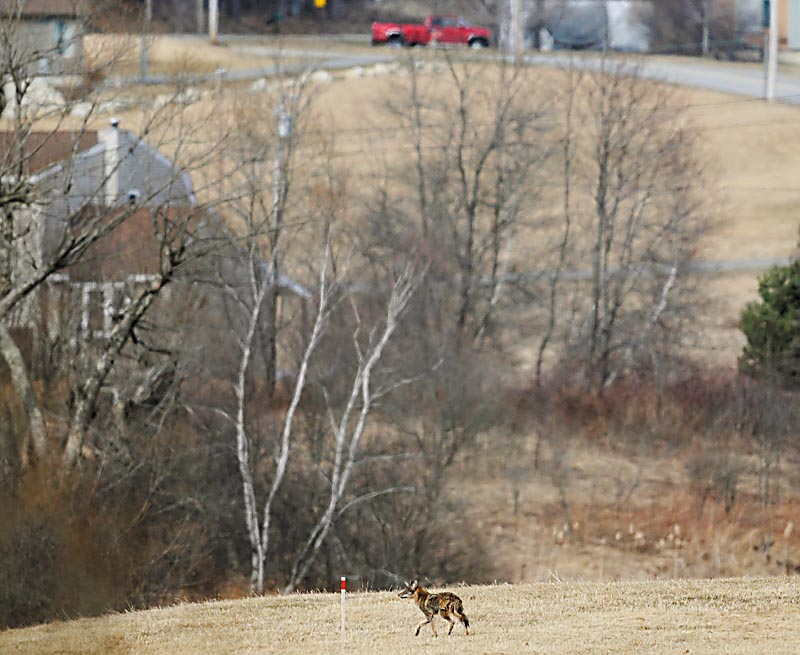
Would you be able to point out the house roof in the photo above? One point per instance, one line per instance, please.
(41, 149)
(129, 249)
(42, 8)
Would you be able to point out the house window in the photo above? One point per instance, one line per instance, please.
(93, 316)
(99, 300)
(102, 302)
(61, 40)
(65, 38)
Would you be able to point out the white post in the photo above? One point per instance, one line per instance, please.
(213, 20)
(772, 51)
(705, 18)
(200, 17)
(110, 140)
(515, 37)
(344, 591)
(284, 131)
(148, 27)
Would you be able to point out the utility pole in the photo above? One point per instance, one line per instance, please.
(705, 19)
(285, 126)
(200, 17)
(213, 21)
(515, 36)
(148, 27)
(772, 51)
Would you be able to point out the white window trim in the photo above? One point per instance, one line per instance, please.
(108, 290)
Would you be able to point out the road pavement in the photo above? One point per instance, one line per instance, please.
(742, 79)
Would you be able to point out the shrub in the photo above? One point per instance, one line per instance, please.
(27, 574)
(772, 327)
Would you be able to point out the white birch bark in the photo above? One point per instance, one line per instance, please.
(347, 438)
(259, 289)
(259, 541)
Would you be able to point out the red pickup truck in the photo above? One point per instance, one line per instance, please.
(439, 30)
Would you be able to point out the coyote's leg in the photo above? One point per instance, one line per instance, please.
(428, 619)
(463, 618)
(433, 627)
(446, 617)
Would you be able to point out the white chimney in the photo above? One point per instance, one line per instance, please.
(110, 139)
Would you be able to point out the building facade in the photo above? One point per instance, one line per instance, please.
(790, 23)
(49, 33)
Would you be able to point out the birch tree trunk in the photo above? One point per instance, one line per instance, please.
(242, 442)
(259, 541)
(347, 439)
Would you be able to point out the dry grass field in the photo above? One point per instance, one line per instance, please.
(730, 616)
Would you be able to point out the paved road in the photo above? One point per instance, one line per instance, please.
(743, 80)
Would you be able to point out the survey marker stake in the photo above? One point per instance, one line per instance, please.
(344, 591)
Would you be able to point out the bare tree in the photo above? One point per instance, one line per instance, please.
(264, 187)
(268, 207)
(254, 469)
(573, 83)
(478, 154)
(20, 272)
(464, 199)
(260, 281)
(698, 26)
(348, 428)
(635, 230)
(177, 240)
(703, 11)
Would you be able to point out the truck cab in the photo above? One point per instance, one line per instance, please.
(454, 29)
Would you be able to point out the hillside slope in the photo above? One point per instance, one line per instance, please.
(733, 616)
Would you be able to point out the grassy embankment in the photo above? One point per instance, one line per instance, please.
(735, 616)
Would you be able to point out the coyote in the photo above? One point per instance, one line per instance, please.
(444, 603)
